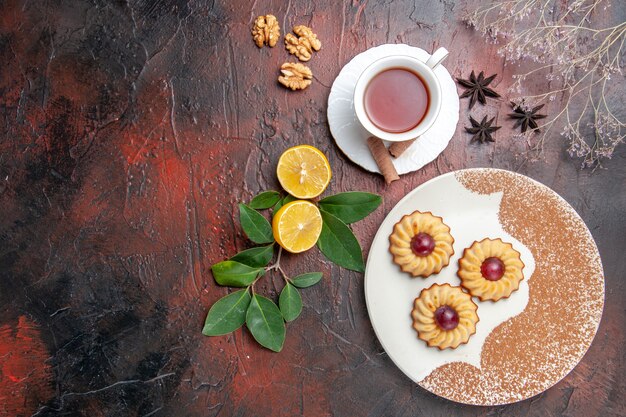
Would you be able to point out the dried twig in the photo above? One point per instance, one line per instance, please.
(583, 62)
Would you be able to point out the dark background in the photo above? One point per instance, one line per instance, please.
(130, 131)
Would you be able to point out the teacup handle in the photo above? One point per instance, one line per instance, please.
(437, 58)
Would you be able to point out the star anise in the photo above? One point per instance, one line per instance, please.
(482, 131)
(477, 88)
(526, 117)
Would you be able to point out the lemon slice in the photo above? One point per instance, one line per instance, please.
(297, 226)
(303, 171)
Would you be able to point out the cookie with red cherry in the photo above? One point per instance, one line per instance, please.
(491, 269)
(421, 244)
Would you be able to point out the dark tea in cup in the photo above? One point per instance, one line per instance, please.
(396, 100)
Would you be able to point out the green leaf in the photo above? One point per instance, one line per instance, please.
(265, 200)
(351, 206)
(255, 257)
(287, 199)
(234, 274)
(227, 314)
(266, 323)
(256, 227)
(307, 280)
(338, 243)
(290, 302)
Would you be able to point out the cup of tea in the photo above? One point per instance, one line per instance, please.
(398, 97)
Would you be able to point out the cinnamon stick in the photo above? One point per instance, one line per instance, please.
(397, 148)
(383, 159)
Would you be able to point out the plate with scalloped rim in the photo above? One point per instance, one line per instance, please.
(523, 344)
(351, 137)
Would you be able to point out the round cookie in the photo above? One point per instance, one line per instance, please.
(491, 269)
(444, 316)
(421, 244)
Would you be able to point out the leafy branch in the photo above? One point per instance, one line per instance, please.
(263, 317)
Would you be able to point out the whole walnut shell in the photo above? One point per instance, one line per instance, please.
(303, 46)
(266, 31)
(295, 75)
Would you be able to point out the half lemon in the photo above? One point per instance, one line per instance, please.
(297, 226)
(303, 171)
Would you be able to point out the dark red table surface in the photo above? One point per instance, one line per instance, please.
(131, 130)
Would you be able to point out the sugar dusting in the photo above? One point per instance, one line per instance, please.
(534, 350)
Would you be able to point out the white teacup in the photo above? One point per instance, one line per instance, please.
(424, 70)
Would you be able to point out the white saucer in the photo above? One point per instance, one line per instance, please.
(351, 137)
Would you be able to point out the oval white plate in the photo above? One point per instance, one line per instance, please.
(351, 137)
(471, 216)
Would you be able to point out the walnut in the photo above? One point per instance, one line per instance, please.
(295, 75)
(266, 31)
(303, 46)
(293, 45)
(307, 33)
